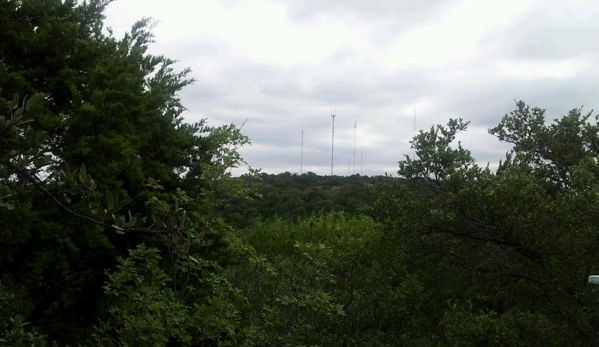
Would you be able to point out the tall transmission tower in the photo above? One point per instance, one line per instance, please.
(302, 152)
(414, 120)
(333, 139)
(355, 126)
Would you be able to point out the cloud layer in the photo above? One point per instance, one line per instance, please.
(282, 66)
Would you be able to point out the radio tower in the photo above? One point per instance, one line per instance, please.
(355, 126)
(332, 139)
(302, 153)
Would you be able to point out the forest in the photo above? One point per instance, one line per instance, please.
(122, 225)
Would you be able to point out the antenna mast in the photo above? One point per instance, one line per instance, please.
(355, 126)
(333, 139)
(414, 120)
(302, 152)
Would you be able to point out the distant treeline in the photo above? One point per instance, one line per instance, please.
(292, 196)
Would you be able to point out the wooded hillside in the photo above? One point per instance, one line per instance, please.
(121, 225)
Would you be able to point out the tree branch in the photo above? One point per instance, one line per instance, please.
(25, 175)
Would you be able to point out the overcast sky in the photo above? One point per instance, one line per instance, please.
(283, 65)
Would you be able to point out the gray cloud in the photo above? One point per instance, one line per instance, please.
(551, 30)
(545, 56)
(403, 13)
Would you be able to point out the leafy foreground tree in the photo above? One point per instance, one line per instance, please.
(506, 255)
(106, 138)
(328, 280)
(111, 229)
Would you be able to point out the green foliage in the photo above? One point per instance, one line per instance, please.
(18, 141)
(96, 162)
(292, 196)
(14, 327)
(286, 283)
(325, 280)
(436, 159)
(111, 112)
(510, 248)
(147, 308)
(551, 152)
(492, 329)
(15, 335)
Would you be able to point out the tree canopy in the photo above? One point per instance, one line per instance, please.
(106, 137)
(121, 225)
